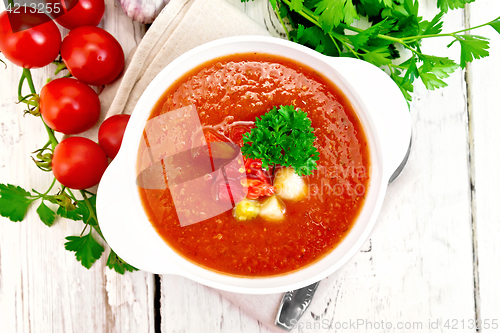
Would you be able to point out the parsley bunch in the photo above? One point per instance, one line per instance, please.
(283, 137)
(322, 26)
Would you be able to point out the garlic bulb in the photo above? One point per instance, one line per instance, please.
(144, 11)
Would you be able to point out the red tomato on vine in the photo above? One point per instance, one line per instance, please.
(29, 40)
(92, 55)
(78, 163)
(79, 13)
(111, 133)
(69, 106)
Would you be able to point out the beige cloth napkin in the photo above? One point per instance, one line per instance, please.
(181, 26)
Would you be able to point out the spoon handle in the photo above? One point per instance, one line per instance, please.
(293, 305)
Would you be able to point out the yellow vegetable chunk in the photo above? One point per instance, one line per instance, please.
(246, 210)
(273, 209)
(289, 185)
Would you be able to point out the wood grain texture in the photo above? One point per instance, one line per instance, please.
(42, 287)
(485, 158)
(418, 265)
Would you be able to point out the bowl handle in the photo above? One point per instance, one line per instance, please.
(387, 107)
(133, 239)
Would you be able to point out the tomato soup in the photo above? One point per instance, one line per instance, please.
(235, 90)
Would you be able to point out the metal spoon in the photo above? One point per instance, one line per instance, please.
(294, 303)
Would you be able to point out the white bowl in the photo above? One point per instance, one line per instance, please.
(375, 98)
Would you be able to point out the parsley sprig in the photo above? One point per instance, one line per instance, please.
(283, 137)
(323, 25)
(15, 201)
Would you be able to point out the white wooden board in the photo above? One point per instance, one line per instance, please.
(483, 90)
(422, 263)
(42, 287)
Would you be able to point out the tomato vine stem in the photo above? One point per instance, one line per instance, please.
(26, 76)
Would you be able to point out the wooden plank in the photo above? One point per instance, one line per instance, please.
(483, 84)
(417, 266)
(42, 287)
(208, 310)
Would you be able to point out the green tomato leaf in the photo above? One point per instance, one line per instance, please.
(14, 202)
(47, 215)
(117, 264)
(87, 249)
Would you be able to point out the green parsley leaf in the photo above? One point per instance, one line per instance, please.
(388, 3)
(117, 264)
(273, 4)
(314, 38)
(325, 26)
(411, 6)
(14, 202)
(444, 5)
(406, 87)
(433, 27)
(496, 25)
(361, 39)
(473, 47)
(441, 66)
(75, 214)
(87, 249)
(332, 12)
(283, 137)
(46, 214)
(412, 71)
(296, 5)
(431, 81)
(434, 69)
(378, 57)
(373, 7)
(88, 217)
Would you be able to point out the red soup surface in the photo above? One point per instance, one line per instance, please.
(239, 88)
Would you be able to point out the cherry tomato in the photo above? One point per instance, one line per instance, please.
(79, 13)
(92, 55)
(29, 40)
(111, 134)
(69, 106)
(258, 181)
(78, 163)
